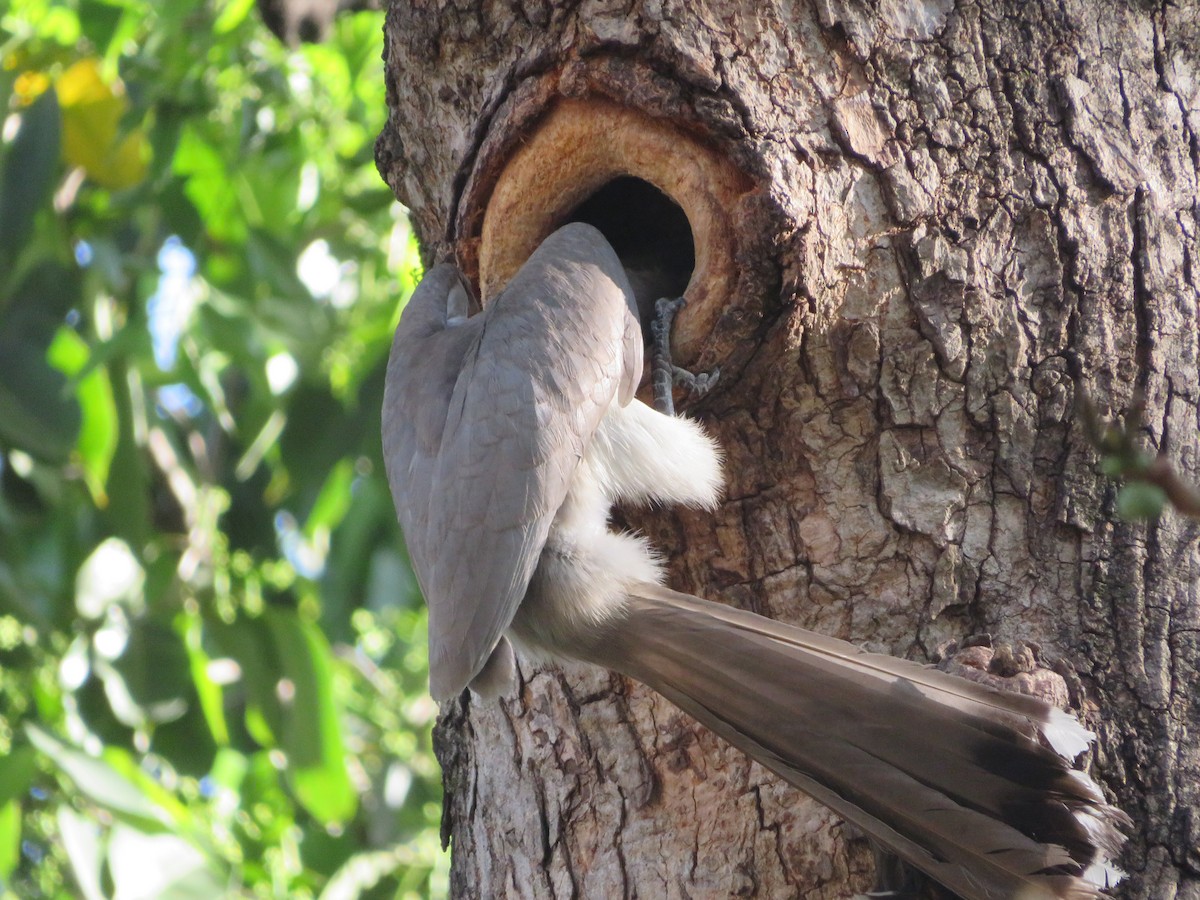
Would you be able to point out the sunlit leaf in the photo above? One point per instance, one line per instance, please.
(229, 768)
(82, 839)
(333, 501)
(99, 781)
(10, 838)
(55, 21)
(110, 575)
(97, 441)
(233, 13)
(169, 808)
(159, 867)
(209, 185)
(207, 690)
(263, 795)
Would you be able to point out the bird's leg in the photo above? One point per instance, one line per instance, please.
(660, 372)
(664, 373)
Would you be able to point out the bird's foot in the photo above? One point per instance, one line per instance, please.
(664, 373)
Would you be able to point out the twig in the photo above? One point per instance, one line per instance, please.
(1123, 458)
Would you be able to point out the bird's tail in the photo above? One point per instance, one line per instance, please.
(973, 786)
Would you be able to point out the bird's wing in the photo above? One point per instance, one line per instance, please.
(426, 359)
(499, 419)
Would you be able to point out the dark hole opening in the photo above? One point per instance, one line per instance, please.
(650, 233)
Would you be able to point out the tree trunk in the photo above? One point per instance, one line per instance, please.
(922, 230)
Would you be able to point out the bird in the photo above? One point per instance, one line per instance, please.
(509, 436)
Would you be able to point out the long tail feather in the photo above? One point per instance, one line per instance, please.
(972, 786)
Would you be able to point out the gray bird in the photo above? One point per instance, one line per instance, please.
(508, 436)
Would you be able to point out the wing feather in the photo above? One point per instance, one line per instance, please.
(485, 424)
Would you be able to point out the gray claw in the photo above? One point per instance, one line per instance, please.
(664, 373)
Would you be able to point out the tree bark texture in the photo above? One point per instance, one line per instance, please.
(956, 219)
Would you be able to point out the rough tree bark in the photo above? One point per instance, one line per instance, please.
(954, 218)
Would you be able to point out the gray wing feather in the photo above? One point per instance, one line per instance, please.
(485, 424)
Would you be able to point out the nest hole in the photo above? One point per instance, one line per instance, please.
(650, 233)
(667, 202)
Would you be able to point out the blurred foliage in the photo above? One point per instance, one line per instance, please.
(1151, 481)
(212, 655)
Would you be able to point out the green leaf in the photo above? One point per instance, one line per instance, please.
(267, 183)
(333, 501)
(128, 510)
(186, 743)
(16, 772)
(249, 643)
(15, 599)
(99, 22)
(99, 781)
(168, 806)
(98, 431)
(8, 79)
(233, 13)
(274, 264)
(10, 838)
(209, 185)
(251, 143)
(355, 556)
(209, 693)
(29, 170)
(312, 735)
(36, 412)
(131, 340)
(1138, 501)
(38, 304)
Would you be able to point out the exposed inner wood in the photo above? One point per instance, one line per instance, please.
(584, 162)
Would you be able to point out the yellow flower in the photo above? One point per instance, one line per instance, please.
(91, 128)
(29, 86)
